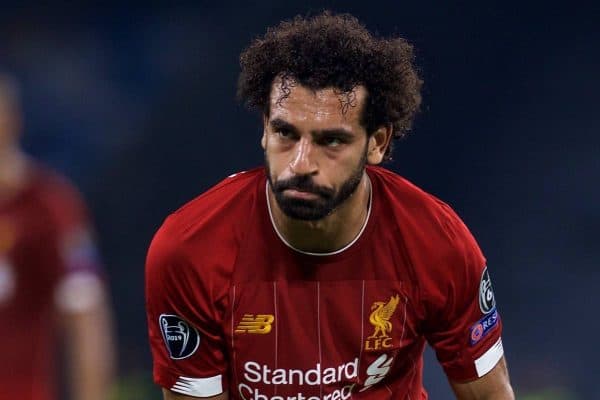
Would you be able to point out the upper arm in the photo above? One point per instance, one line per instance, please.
(494, 385)
(168, 395)
(78, 281)
(80, 295)
(79, 288)
(461, 321)
(184, 323)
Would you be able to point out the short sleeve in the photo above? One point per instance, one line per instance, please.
(79, 283)
(185, 333)
(73, 227)
(463, 325)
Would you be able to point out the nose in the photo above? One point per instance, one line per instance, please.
(303, 161)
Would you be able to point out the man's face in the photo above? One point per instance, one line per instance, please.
(315, 153)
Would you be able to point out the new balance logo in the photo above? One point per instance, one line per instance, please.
(261, 324)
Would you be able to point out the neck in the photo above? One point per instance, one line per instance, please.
(331, 233)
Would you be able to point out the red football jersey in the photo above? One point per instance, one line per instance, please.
(232, 307)
(45, 253)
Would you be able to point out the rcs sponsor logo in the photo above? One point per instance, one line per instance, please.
(259, 324)
(483, 326)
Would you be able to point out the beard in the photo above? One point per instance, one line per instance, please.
(328, 199)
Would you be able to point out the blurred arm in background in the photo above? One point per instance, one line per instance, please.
(86, 319)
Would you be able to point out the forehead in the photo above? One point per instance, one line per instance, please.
(299, 104)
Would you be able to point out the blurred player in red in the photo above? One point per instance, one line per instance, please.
(51, 285)
(322, 276)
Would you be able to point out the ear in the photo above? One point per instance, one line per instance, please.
(378, 144)
(263, 140)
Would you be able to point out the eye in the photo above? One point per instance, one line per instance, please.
(284, 133)
(332, 141)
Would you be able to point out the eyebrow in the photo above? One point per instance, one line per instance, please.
(342, 133)
(278, 123)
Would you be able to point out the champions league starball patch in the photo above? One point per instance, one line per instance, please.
(487, 301)
(181, 339)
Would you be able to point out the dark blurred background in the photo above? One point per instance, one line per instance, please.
(136, 105)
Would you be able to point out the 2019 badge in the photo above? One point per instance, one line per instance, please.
(180, 337)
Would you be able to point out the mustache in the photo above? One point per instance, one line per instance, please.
(303, 183)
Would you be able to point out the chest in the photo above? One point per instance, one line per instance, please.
(27, 251)
(320, 337)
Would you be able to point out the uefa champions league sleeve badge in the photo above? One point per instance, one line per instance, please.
(181, 339)
(487, 300)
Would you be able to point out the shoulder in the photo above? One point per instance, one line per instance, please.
(403, 193)
(57, 195)
(436, 239)
(220, 204)
(205, 233)
(417, 212)
(52, 185)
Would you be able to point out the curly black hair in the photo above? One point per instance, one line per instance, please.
(336, 51)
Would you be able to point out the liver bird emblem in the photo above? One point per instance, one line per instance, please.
(380, 317)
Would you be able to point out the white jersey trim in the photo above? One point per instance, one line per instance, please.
(199, 387)
(346, 247)
(489, 359)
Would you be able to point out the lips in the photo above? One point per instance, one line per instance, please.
(299, 194)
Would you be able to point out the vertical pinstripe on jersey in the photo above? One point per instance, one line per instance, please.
(233, 355)
(362, 328)
(412, 360)
(319, 330)
(400, 343)
(404, 322)
(389, 390)
(276, 329)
